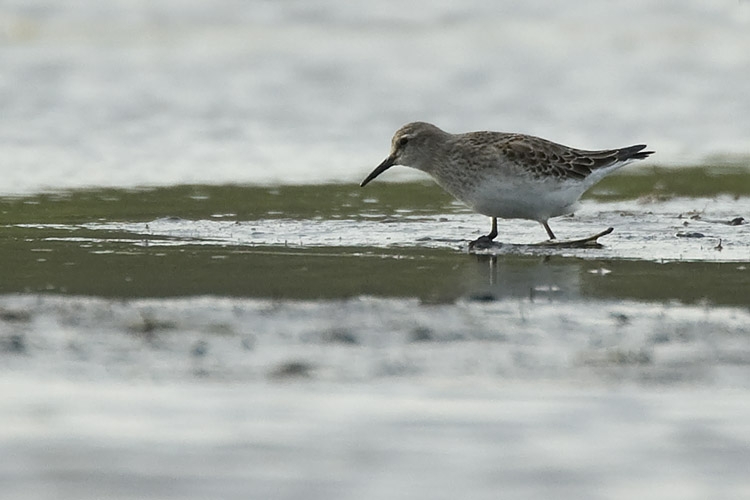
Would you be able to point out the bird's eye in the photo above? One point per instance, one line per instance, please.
(402, 142)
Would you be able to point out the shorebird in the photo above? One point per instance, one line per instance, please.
(505, 175)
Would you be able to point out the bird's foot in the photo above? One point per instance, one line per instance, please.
(481, 243)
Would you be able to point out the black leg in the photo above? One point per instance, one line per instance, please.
(549, 231)
(493, 233)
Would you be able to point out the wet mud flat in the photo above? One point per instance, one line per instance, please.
(326, 342)
(188, 397)
(235, 397)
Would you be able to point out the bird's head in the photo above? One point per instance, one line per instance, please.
(413, 146)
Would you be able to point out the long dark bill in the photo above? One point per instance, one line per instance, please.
(387, 163)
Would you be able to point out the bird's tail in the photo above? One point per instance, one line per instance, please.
(632, 153)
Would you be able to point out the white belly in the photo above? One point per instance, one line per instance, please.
(524, 200)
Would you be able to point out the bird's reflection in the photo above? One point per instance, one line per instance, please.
(528, 277)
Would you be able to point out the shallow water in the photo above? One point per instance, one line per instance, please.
(338, 241)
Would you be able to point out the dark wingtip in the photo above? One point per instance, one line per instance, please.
(634, 153)
(643, 155)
